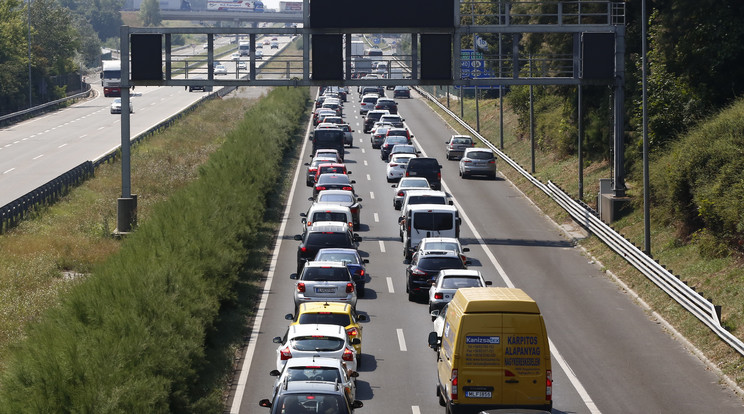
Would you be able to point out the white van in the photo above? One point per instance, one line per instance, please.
(414, 197)
(428, 220)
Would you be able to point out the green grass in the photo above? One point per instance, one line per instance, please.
(718, 278)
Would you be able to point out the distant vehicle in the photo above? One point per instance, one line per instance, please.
(116, 106)
(111, 78)
(324, 281)
(274, 45)
(244, 48)
(220, 70)
(456, 146)
(402, 92)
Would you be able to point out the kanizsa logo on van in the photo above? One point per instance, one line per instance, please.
(482, 340)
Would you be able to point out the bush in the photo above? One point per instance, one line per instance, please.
(132, 337)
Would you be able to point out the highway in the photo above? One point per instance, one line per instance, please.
(36, 151)
(609, 356)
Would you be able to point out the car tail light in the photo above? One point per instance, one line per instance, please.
(285, 354)
(466, 161)
(393, 164)
(301, 287)
(348, 355)
(351, 224)
(352, 332)
(320, 188)
(439, 176)
(360, 272)
(354, 210)
(463, 257)
(453, 392)
(401, 194)
(309, 223)
(418, 272)
(492, 161)
(549, 385)
(347, 188)
(438, 295)
(349, 287)
(408, 174)
(303, 249)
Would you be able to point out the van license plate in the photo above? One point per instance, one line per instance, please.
(325, 290)
(478, 394)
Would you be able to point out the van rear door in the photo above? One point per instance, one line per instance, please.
(481, 373)
(526, 358)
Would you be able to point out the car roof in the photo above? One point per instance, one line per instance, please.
(309, 307)
(438, 207)
(467, 150)
(324, 263)
(312, 386)
(459, 272)
(439, 240)
(338, 250)
(437, 253)
(426, 193)
(325, 206)
(324, 192)
(314, 361)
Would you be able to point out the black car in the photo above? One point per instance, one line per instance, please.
(425, 266)
(402, 92)
(387, 145)
(428, 168)
(323, 235)
(329, 138)
(387, 104)
(371, 118)
(333, 182)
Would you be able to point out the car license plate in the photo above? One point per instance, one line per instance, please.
(325, 290)
(478, 394)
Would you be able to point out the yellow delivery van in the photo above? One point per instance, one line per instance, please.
(493, 352)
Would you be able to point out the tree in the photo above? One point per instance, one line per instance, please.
(13, 56)
(150, 13)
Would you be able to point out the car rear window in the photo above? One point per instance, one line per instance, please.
(333, 179)
(327, 239)
(313, 374)
(439, 263)
(298, 403)
(340, 319)
(329, 216)
(318, 343)
(328, 135)
(395, 139)
(329, 170)
(432, 221)
(401, 160)
(338, 257)
(440, 246)
(335, 198)
(369, 99)
(480, 155)
(426, 163)
(426, 199)
(460, 282)
(330, 274)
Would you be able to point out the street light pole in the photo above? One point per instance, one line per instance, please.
(28, 6)
(646, 218)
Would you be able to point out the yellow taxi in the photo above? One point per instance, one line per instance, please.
(332, 313)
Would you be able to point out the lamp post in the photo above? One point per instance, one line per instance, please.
(28, 7)
(646, 218)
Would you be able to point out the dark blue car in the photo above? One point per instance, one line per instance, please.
(353, 262)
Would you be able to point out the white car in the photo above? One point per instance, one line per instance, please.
(235, 56)
(309, 340)
(396, 168)
(405, 184)
(242, 65)
(448, 281)
(317, 369)
(259, 54)
(450, 244)
(116, 106)
(220, 70)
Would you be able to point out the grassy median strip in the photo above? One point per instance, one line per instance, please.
(149, 324)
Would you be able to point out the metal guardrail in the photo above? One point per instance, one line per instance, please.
(687, 297)
(43, 107)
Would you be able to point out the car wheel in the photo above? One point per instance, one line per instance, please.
(447, 156)
(390, 180)
(441, 398)
(359, 363)
(396, 206)
(493, 176)
(360, 290)
(465, 175)
(411, 296)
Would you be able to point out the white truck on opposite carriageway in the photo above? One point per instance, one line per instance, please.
(111, 77)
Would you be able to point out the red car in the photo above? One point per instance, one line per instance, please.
(330, 168)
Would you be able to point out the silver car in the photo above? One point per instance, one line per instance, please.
(448, 281)
(324, 281)
(317, 369)
(323, 340)
(478, 161)
(456, 146)
(405, 184)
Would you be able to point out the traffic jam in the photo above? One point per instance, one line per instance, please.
(319, 357)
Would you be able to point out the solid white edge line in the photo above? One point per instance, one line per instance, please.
(553, 349)
(390, 284)
(251, 349)
(401, 340)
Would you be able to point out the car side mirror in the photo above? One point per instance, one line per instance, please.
(304, 220)
(348, 172)
(353, 181)
(356, 341)
(275, 373)
(362, 318)
(265, 403)
(446, 142)
(465, 249)
(434, 341)
(452, 203)
(277, 340)
(365, 260)
(303, 214)
(440, 165)
(489, 283)
(310, 199)
(289, 316)
(357, 238)
(307, 164)
(357, 404)
(298, 237)
(359, 199)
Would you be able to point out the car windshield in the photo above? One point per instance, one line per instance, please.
(336, 198)
(311, 403)
(480, 155)
(461, 141)
(329, 274)
(313, 374)
(338, 257)
(328, 239)
(460, 282)
(439, 263)
(340, 319)
(317, 343)
(432, 221)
